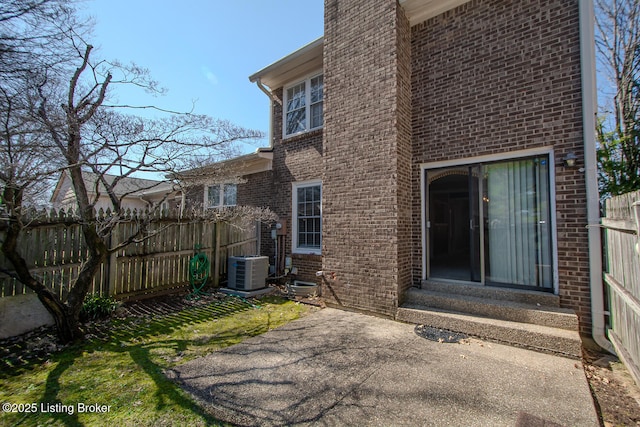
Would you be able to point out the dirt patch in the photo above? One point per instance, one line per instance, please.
(616, 395)
(36, 346)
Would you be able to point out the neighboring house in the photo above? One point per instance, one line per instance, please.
(134, 193)
(223, 180)
(450, 141)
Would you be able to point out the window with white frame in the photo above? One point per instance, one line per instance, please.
(303, 106)
(307, 217)
(220, 195)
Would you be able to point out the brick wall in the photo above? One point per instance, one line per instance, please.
(404, 152)
(496, 76)
(297, 158)
(258, 191)
(366, 210)
(194, 195)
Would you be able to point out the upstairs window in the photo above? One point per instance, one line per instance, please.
(220, 195)
(303, 106)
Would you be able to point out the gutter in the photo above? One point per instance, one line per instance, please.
(288, 61)
(589, 102)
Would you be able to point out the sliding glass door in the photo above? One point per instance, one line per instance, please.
(491, 223)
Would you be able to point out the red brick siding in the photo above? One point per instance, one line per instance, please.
(496, 76)
(295, 159)
(194, 196)
(404, 152)
(307, 266)
(366, 210)
(258, 191)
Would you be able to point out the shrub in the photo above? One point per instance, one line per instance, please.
(96, 307)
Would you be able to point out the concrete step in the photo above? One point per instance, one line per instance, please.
(541, 338)
(494, 305)
(493, 293)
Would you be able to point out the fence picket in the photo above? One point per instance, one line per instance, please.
(54, 249)
(622, 278)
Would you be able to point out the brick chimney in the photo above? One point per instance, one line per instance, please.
(367, 154)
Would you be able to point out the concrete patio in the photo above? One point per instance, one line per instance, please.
(337, 367)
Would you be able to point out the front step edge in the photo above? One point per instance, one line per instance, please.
(540, 338)
(553, 317)
(492, 292)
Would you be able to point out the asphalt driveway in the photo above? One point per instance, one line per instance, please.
(345, 369)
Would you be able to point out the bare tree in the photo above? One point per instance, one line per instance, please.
(618, 49)
(32, 35)
(32, 46)
(79, 130)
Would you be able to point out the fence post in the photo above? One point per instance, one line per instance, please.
(636, 215)
(216, 255)
(258, 235)
(112, 262)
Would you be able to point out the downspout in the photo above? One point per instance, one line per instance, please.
(142, 199)
(273, 99)
(587, 60)
(183, 200)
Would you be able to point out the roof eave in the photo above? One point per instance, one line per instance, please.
(260, 160)
(420, 10)
(308, 56)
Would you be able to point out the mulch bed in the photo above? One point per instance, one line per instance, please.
(37, 346)
(615, 394)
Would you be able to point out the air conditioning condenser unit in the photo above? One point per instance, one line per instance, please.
(247, 273)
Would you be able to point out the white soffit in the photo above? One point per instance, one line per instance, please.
(297, 64)
(309, 58)
(420, 10)
(260, 161)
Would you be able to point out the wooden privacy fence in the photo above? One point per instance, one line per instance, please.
(622, 277)
(54, 250)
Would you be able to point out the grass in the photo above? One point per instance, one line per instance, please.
(125, 371)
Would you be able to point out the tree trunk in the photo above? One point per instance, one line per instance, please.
(67, 325)
(65, 316)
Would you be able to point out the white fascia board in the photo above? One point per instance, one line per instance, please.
(300, 61)
(420, 10)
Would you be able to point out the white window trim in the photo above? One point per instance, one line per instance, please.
(221, 205)
(307, 88)
(294, 217)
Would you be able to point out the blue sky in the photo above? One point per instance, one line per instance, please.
(205, 50)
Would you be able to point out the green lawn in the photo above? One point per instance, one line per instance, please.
(124, 374)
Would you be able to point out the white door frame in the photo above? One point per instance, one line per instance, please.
(511, 155)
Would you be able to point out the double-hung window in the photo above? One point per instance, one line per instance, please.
(303, 106)
(220, 195)
(307, 217)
